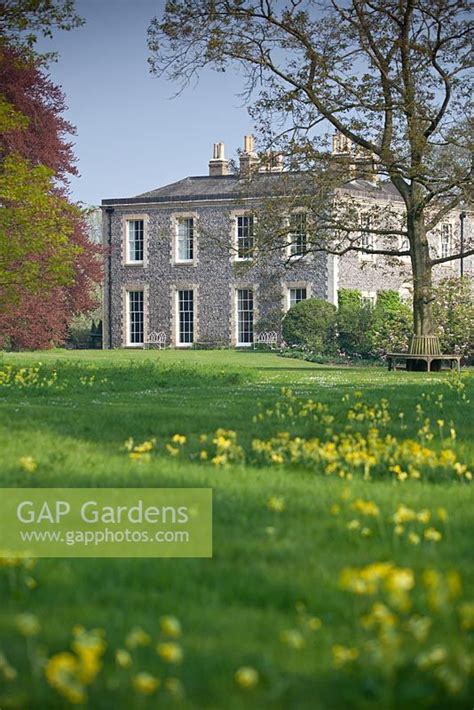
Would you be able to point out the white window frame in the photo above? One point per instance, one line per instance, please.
(179, 343)
(297, 255)
(296, 288)
(236, 216)
(128, 293)
(368, 298)
(239, 343)
(179, 220)
(445, 240)
(371, 240)
(128, 219)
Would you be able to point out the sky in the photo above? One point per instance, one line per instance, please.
(132, 136)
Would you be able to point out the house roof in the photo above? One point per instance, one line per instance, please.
(226, 187)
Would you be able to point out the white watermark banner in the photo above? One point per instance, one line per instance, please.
(106, 522)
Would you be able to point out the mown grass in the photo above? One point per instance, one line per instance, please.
(266, 564)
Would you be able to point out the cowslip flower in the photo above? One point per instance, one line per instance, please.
(276, 503)
(145, 683)
(170, 626)
(246, 677)
(170, 652)
(28, 464)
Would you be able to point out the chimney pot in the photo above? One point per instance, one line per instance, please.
(218, 165)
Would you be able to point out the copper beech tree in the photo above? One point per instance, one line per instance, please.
(392, 78)
(48, 266)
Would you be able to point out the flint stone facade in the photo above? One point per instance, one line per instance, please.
(214, 275)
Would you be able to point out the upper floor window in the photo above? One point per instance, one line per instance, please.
(135, 241)
(367, 239)
(297, 234)
(185, 236)
(446, 236)
(295, 295)
(245, 236)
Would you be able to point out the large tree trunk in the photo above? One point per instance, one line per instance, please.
(423, 296)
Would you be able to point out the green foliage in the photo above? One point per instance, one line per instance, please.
(35, 228)
(453, 312)
(21, 21)
(391, 324)
(354, 319)
(270, 321)
(311, 323)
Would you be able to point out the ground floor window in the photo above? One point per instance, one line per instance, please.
(244, 316)
(296, 295)
(135, 318)
(185, 317)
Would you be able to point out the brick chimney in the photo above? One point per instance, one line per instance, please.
(218, 165)
(248, 158)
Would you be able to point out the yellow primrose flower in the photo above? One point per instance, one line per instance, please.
(293, 638)
(172, 450)
(145, 683)
(314, 623)
(414, 538)
(276, 503)
(123, 658)
(219, 460)
(424, 516)
(178, 439)
(170, 626)
(28, 464)
(62, 673)
(27, 624)
(170, 652)
(137, 637)
(432, 534)
(203, 455)
(353, 525)
(442, 514)
(246, 677)
(366, 507)
(366, 532)
(342, 655)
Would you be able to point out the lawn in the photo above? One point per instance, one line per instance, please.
(292, 511)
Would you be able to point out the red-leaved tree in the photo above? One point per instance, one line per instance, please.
(39, 318)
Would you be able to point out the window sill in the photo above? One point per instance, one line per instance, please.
(184, 345)
(243, 345)
(134, 345)
(134, 263)
(185, 262)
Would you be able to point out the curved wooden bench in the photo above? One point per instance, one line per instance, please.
(392, 359)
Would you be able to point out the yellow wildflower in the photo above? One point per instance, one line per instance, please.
(28, 464)
(314, 623)
(178, 439)
(276, 503)
(414, 538)
(145, 683)
(342, 655)
(246, 677)
(174, 686)
(123, 658)
(424, 516)
(62, 674)
(27, 624)
(137, 637)
(432, 534)
(170, 626)
(170, 652)
(293, 638)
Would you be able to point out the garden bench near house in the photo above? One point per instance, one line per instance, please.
(154, 339)
(423, 348)
(268, 338)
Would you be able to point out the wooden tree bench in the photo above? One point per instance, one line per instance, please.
(425, 348)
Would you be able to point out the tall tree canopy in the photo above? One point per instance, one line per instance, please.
(391, 78)
(48, 266)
